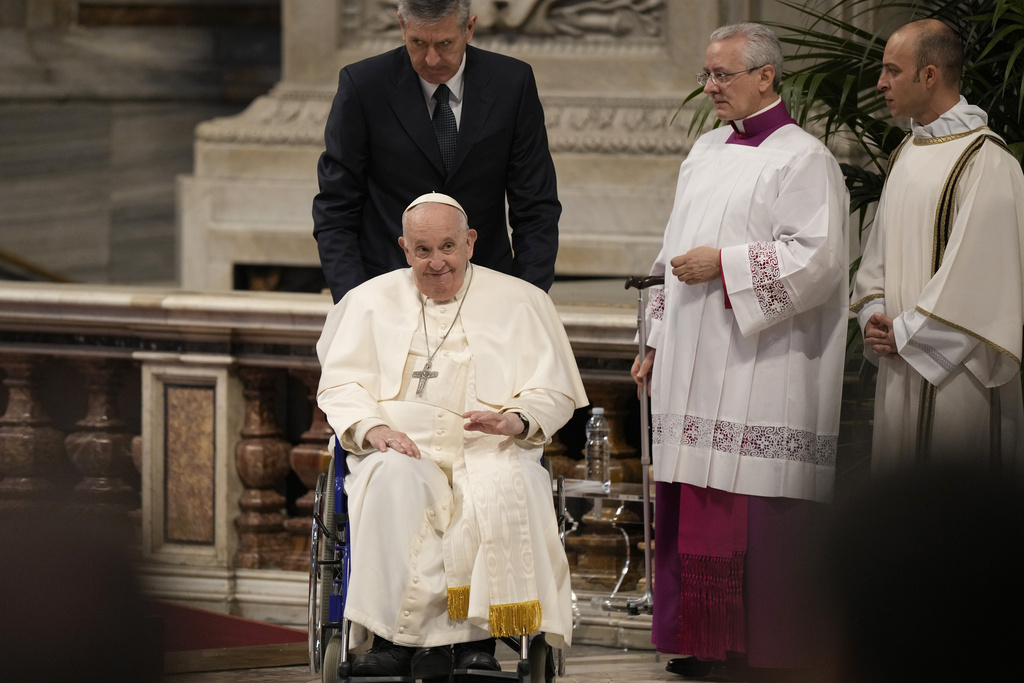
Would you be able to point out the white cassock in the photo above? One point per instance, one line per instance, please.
(461, 544)
(746, 399)
(944, 260)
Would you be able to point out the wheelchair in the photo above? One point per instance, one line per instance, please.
(329, 569)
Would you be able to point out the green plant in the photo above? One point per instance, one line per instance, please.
(833, 73)
(830, 83)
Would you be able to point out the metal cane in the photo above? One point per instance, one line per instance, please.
(645, 603)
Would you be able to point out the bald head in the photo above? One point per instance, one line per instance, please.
(937, 45)
(921, 71)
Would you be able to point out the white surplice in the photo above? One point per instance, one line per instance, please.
(416, 524)
(956, 301)
(746, 399)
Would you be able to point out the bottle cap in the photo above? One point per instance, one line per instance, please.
(597, 410)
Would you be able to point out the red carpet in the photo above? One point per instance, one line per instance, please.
(187, 628)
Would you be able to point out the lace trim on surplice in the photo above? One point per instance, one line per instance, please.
(754, 441)
(656, 303)
(772, 296)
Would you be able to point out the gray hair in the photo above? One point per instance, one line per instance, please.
(431, 12)
(463, 222)
(763, 46)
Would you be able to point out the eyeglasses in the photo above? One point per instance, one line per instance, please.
(721, 79)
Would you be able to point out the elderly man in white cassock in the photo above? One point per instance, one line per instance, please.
(443, 382)
(746, 360)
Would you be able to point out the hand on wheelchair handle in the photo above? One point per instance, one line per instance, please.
(383, 437)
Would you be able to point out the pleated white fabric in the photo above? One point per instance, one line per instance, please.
(746, 399)
(958, 329)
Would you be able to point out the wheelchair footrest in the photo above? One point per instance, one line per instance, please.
(480, 676)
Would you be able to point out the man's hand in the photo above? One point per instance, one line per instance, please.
(488, 422)
(641, 370)
(879, 336)
(700, 264)
(383, 437)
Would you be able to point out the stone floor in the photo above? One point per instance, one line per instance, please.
(584, 664)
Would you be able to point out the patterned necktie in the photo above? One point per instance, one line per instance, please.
(444, 126)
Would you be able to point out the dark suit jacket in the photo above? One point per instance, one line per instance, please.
(381, 154)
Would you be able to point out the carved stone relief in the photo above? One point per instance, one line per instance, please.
(582, 125)
(573, 19)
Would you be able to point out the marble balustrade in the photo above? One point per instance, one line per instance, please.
(189, 420)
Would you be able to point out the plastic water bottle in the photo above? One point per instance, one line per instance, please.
(598, 451)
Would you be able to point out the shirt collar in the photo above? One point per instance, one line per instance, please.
(455, 84)
(960, 118)
(752, 130)
(753, 122)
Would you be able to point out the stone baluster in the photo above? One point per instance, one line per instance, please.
(101, 448)
(262, 461)
(33, 463)
(308, 459)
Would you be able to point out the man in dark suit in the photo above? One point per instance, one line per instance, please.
(382, 151)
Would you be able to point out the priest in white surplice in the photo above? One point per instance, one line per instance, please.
(443, 382)
(747, 345)
(939, 289)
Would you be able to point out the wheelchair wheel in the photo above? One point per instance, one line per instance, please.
(321, 547)
(332, 660)
(542, 663)
(327, 553)
(312, 605)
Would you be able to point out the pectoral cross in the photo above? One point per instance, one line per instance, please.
(423, 375)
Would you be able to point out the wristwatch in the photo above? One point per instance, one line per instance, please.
(526, 425)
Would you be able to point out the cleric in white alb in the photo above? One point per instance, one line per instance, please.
(747, 347)
(939, 289)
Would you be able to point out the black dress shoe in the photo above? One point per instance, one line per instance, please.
(384, 659)
(690, 667)
(478, 654)
(432, 662)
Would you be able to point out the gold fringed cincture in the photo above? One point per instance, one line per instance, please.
(458, 603)
(514, 618)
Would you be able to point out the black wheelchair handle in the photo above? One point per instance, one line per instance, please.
(643, 282)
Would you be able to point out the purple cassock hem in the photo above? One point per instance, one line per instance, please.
(758, 127)
(776, 602)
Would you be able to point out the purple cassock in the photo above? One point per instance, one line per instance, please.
(734, 581)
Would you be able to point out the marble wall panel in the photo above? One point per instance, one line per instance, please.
(191, 419)
(189, 464)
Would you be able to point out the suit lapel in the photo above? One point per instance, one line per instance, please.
(478, 98)
(406, 101)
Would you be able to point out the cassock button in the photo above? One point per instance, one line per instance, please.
(401, 629)
(406, 613)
